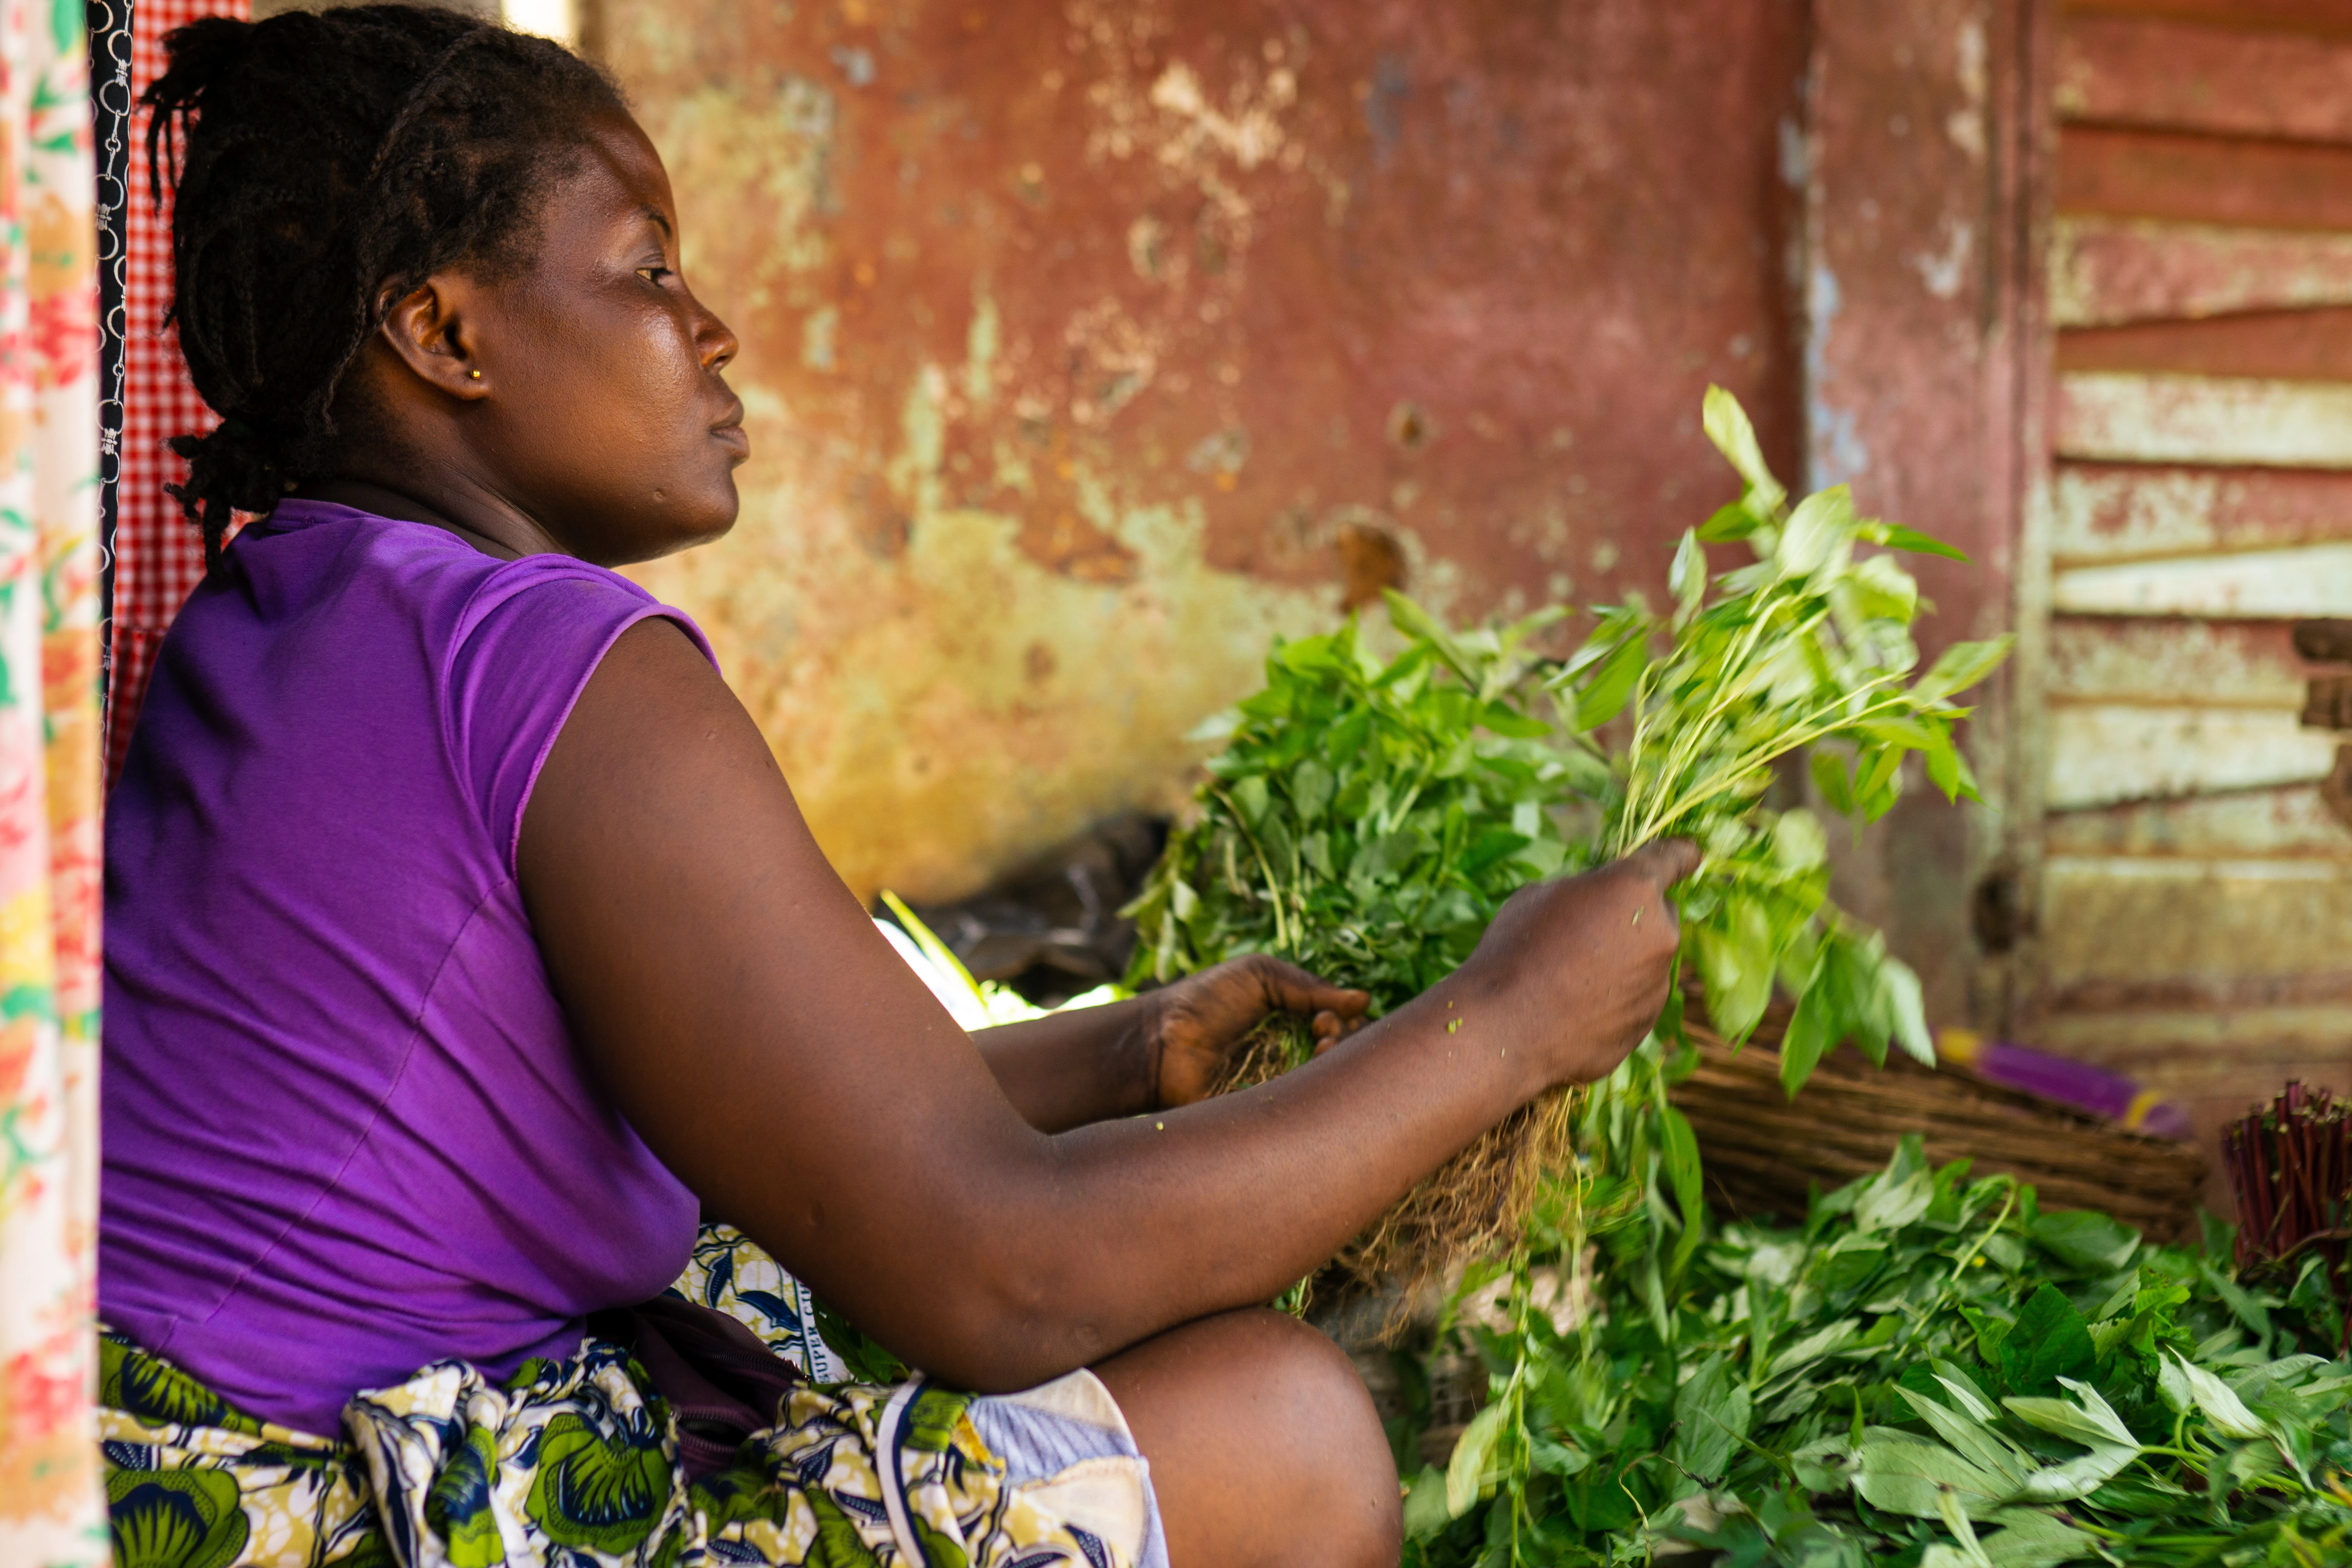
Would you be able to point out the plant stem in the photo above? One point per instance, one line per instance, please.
(1970, 1255)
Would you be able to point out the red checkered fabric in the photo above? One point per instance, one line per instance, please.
(158, 556)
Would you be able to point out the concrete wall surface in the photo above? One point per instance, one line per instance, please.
(1088, 345)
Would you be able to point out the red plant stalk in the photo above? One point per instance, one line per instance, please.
(2290, 1166)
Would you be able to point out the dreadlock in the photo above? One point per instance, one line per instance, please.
(322, 166)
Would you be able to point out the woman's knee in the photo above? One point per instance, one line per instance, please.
(1326, 1421)
(1264, 1445)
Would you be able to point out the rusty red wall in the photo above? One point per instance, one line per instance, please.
(1918, 179)
(1086, 345)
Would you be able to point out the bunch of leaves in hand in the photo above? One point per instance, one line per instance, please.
(1932, 1372)
(1366, 818)
(1808, 648)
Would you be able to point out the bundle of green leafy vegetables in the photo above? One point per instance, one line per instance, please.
(1931, 1372)
(1806, 650)
(1366, 817)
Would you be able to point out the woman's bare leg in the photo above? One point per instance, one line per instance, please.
(1264, 1445)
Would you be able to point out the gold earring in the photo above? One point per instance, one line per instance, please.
(475, 374)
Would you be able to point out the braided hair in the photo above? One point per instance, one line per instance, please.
(322, 166)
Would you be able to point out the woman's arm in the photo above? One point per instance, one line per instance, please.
(772, 1049)
(1066, 1069)
(1157, 1050)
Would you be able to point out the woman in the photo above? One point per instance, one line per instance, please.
(466, 946)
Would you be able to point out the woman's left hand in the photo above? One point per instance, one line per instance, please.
(1193, 1025)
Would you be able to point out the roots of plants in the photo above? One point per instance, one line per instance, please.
(1472, 1206)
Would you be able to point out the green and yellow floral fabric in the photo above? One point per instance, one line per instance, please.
(567, 1464)
(730, 1273)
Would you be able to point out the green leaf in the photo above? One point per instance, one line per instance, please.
(2035, 1541)
(2048, 1342)
(1611, 686)
(1711, 1415)
(1388, 857)
(1469, 1473)
(1878, 766)
(1250, 798)
(1823, 1341)
(1726, 425)
(1557, 1458)
(1310, 789)
(1944, 766)
(1422, 627)
(1492, 845)
(2220, 1402)
(1679, 1145)
(1816, 533)
(1903, 1474)
(1728, 522)
(1736, 959)
(1955, 1515)
(1812, 1029)
(1883, 591)
(1963, 1389)
(1969, 1437)
(1426, 1505)
(1799, 842)
(2087, 1240)
(1992, 1335)
(2247, 1311)
(1347, 738)
(1826, 1466)
(1962, 665)
(2078, 1476)
(1831, 776)
(2092, 1422)
(1686, 580)
(1895, 1005)
(1899, 733)
(1895, 1197)
(1503, 720)
(1906, 1009)
(1896, 537)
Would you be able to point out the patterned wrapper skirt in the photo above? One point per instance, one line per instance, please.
(575, 1464)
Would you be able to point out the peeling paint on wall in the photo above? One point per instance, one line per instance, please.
(2105, 754)
(1839, 456)
(2121, 512)
(1087, 346)
(2267, 584)
(2167, 418)
(2110, 271)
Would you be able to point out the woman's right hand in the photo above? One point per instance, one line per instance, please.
(1580, 965)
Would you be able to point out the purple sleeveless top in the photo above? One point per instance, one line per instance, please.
(345, 1132)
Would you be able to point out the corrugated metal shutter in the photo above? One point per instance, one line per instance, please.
(2194, 919)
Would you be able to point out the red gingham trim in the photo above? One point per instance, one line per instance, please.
(158, 557)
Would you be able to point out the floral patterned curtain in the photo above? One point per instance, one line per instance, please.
(51, 1510)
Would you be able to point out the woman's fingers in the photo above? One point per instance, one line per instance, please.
(1293, 990)
(1665, 862)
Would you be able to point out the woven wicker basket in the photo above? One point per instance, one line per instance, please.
(1763, 1153)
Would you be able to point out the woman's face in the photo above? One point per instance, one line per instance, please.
(606, 418)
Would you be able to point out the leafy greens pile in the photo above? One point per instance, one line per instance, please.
(1932, 1372)
(1366, 818)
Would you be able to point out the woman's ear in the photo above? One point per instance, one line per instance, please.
(432, 332)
